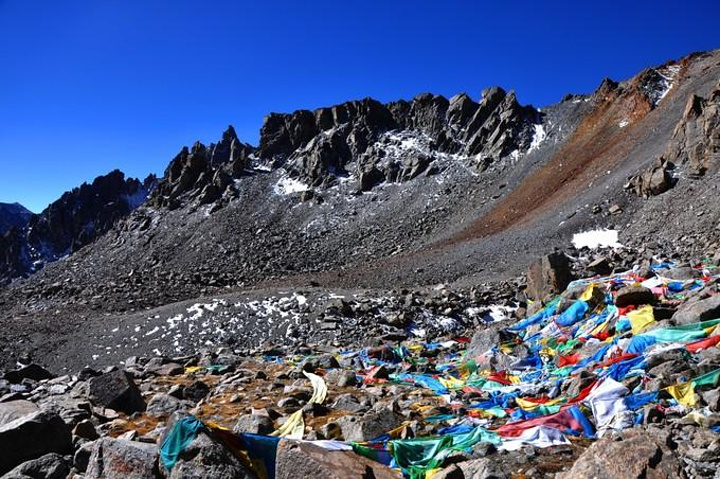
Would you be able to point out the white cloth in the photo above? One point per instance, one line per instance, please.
(606, 400)
(538, 436)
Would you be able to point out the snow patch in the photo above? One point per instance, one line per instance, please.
(287, 186)
(603, 238)
(538, 137)
(624, 123)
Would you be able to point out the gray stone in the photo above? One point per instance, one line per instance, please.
(49, 466)
(32, 436)
(116, 390)
(369, 426)
(254, 424)
(162, 405)
(119, 459)
(296, 460)
(633, 295)
(700, 310)
(205, 458)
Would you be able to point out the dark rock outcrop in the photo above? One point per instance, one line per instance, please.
(397, 141)
(203, 174)
(696, 139)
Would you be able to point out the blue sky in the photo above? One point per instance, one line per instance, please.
(89, 86)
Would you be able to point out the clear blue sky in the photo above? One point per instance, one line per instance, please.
(89, 86)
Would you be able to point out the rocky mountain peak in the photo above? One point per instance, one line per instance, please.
(203, 173)
(374, 142)
(13, 215)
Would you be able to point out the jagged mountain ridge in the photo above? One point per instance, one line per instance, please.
(71, 222)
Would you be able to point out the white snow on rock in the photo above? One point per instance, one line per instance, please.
(624, 123)
(538, 137)
(603, 238)
(286, 186)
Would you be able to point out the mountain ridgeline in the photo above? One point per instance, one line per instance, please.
(366, 180)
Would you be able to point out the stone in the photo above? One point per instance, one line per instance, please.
(116, 390)
(31, 371)
(348, 402)
(254, 424)
(86, 430)
(49, 466)
(638, 453)
(162, 405)
(196, 391)
(82, 456)
(633, 295)
(12, 410)
(119, 459)
(600, 266)
(694, 311)
(369, 426)
(655, 180)
(296, 460)
(484, 468)
(204, 458)
(32, 436)
(549, 276)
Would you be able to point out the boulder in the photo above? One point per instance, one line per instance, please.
(32, 436)
(196, 391)
(549, 276)
(655, 180)
(254, 424)
(633, 295)
(204, 458)
(369, 426)
(49, 466)
(299, 460)
(119, 459)
(116, 390)
(474, 469)
(636, 453)
(12, 410)
(31, 371)
(162, 405)
(695, 311)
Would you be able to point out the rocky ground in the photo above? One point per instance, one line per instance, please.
(430, 363)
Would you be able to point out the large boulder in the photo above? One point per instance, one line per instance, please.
(120, 459)
(116, 390)
(205, 458)
(31, 371)
(694, 311)
(638, 453)
(162, 405)
(369, 426)
(32, 436)
(12, 410)
(482, 468)
(49, 466)
(633, 295)
(549, 276)
(299, 460)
